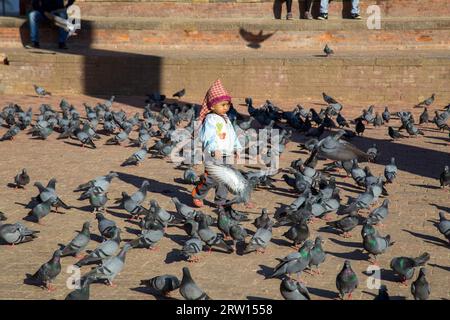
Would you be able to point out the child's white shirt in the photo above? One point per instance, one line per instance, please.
(217, 134)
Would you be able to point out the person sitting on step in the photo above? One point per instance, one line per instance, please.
(38, 14)
(324, 10)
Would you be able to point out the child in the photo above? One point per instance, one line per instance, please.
(218, 138)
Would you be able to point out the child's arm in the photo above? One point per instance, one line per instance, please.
(208, 136)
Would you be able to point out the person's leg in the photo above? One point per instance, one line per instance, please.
(202, 189)
(308, 9)
(355, 9)
(289, 9)
(323, 10)
(34, 17)
(62, 34)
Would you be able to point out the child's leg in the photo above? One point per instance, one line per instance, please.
(289, 9)
(202, 189)
(221, 194)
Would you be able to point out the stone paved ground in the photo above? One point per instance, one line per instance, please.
(415, 202)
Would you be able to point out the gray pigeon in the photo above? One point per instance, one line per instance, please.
(102, 182)
(380, 213)
(363, 201)
(105, 226)
(79, 243)
(444, 225)
(405, 266)
(333, 148)
(294, 263)
(41, 92)
(427, 102)
(183, 210)
(22, 179)
(298, 233)
(317, 254)
(163, 284)
(47, 272)
(189, 289)
(211, 238)
(346, 280)
(346, 224)
(263, 220)
(148, 238)
(390, 171)
(291, 289)
(104, 250)
(110, 267)
(49, 193)
(420, 288)
(190, 177)
(136, 158)
(376, 244)
(191, 248)
(11, 133)
(328, 51)
(260, 240)
(16, 233)
(81, 293)
(98, 199)
(41, 210)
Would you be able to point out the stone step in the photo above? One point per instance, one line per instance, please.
(254, 8)
(352, 77)
(228, 33)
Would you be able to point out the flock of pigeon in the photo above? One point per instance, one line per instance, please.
(318, 194)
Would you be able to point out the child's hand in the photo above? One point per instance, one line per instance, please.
(217, 155)
(236, 156)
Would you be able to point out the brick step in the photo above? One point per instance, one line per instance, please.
(372, 77)
(254, 8)
(150, 33)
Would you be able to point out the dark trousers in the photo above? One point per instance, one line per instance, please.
(206, 184)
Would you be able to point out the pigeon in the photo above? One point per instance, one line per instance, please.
(225, 222)
(104, 250)
(180, 93)
(328, 51)
(424, 117)
(97, 199)
(405, 266)
(260, 240)
(78, 243)
(444, 178)
(102, 183)
(373, 153)
(16, 233)
(22, 179)
(341, 121)
(137, 157)
(346, 280)
(386, 115)
(427, 102)
(346, 224)
(162, 215)
(189, 289)
(191, 248)
(148, 238)
(443, 225)
(317, 254)
(360, 127)
(394, 134)
(41, 210)
(382, 294)
(210, 238)
(291, 289)
(233, 180)
(378, 121)
(11, 133)
(47, 272)
(298, 233)
(263, 220)
(294, 263)
(333, 148)
(390, 171)
(380, 213)
(106, 227)
(49, 193)
(84, 137)
(376, 244)
(81, 293)
(163, 284)
(41, 92)
(413, 130)
(328, 99)
(183, 210)
(110, 267)
(190, 177)
(3, 216)
(420, 288)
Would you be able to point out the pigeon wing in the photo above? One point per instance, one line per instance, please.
(232, 179)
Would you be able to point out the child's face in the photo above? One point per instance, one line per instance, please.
(221, 107)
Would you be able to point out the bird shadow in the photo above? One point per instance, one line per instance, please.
(177, 238)
(442, 208)
(78, 145)
(84, 208)
(346, 244)
(118, 214)
(13, 186)
(96, 238)
(356, 254)
(133, 231)
(385, 275)
(281, 242)
(329, 229)
(257, 298)
(157, 187)
(390, 297)
(151, 292)
(181, 181)
(440, 267)
(425, 186)
(323, 293)
(265, 271)
(174, 256)
(431, 239)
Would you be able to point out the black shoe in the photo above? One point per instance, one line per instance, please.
(34, 44)
(62, 45)
(356, 16)
(323, 16)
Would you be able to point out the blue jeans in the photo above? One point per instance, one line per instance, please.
(324, 6)
(35, 17)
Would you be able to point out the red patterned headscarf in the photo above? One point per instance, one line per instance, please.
(216, 93)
